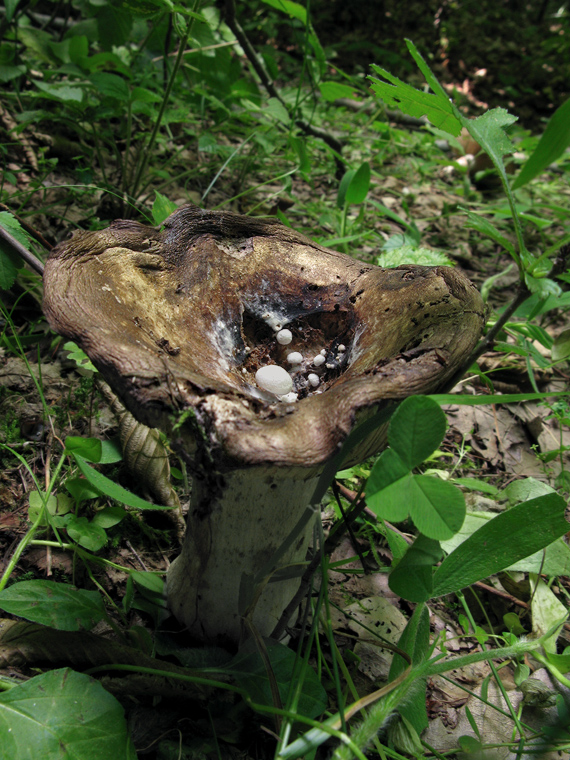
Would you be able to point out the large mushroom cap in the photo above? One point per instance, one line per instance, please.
(179, 319)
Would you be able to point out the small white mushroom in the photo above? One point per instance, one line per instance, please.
(289, 398)
(341, 348)
(294, 357)
(318, 360)
(323, 351)
(274, 379)
(284, 337)
(313, 379)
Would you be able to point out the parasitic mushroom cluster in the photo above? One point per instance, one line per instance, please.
(256, 351)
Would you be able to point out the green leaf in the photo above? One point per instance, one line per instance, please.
(87, 448)
(250, 673)
(489, 131)
(86, 533)
(507, 538)
(343, 187)
(416, 429)
(561, 347)
(552, 144)
(110, 85)
(415, 642)
(111, 489)
(110, 452)
(412, 577)
(276, 110)
(108, 517)
(65, 93)
(294, 10)
(81, 489)
(9, 8)
(436, 507)
(359, 185)
(57, 605)
(388, 470)
(79, 356)
(61, 715)
(410, 254)
(437, 108)
(162, 208)
(331, 91)
(484, 226)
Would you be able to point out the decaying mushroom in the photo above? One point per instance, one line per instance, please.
(256, 351)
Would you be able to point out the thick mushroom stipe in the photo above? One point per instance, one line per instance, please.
(179, 320)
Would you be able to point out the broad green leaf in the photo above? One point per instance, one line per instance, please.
(162, 208)
(437, 108)
(388, 470)
(409, 254)
(525, 489)
(489, 131)
(277, 110)
(61, 715)
(412, 577)
(561, 347)
(547, 610)
(416, 430)
(108, 517)
(65, 93)
(86, 533)
(87, 448)
(112, 489)
(334, 90)
(359, 185)
(502, 541)
(473, 484)
(57, 605)
(8, 73)
(552, 144)
(110, 85)
(110, 452)
(250, 673)
(81, 489)
(436, 507)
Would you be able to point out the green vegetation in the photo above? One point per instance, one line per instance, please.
(128, 110)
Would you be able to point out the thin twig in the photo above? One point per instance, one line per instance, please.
(23, 252)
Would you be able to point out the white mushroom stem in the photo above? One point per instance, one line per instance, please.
(237, 522)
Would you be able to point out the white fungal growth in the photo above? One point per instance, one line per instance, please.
(313, 379)
(274, 379)
(323, 351)
(318, 360)
(341, 348)
(294, 357)
(289, 398)
(284, 337)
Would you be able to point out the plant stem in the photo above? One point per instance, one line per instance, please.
(150, 145)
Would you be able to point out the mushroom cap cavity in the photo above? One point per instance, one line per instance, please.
(318, 360)
(294, 357)
(274, 379)
(284, 337)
